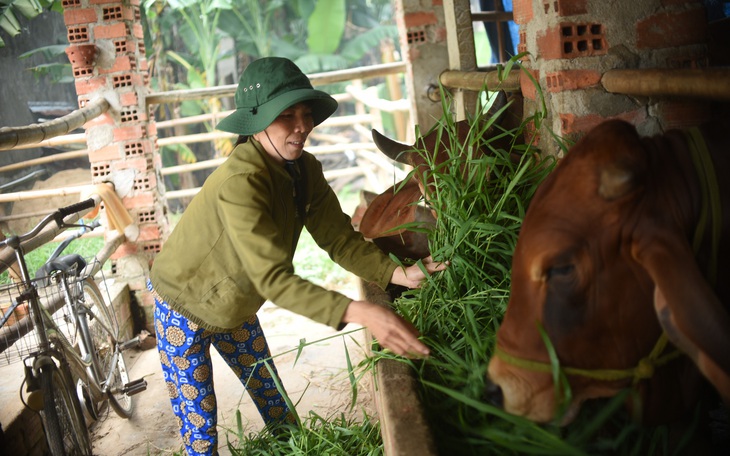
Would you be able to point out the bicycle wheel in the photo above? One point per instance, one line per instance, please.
(64, 424)
(104, 330)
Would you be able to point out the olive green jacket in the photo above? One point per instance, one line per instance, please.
(233, 246)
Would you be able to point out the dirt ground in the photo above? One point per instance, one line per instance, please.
(317, 381)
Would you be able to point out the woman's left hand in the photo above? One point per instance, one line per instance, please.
(413, 276)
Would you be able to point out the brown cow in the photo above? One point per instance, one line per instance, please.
(386, 215)
(613, 252)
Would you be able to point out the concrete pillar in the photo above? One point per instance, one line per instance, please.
(108, 59)
(572, 43)
(425, 39)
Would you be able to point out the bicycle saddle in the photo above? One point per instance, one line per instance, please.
(71, 264)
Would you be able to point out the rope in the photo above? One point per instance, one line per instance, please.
(643, 370)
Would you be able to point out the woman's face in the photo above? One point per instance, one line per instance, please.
(284, 138)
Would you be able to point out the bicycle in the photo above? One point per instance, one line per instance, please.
(75, 337)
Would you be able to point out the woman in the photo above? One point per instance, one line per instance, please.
(233, 248)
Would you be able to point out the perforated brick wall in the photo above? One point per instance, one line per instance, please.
(571, 43)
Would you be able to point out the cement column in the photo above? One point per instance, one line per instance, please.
(423, 43)
(108, 58)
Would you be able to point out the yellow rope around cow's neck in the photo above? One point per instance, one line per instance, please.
(643, 370)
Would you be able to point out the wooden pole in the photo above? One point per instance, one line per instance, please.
(479, 80)
(11, 137)
(373, 71)
(709, 83)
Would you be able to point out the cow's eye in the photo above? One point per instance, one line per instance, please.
(564, 270)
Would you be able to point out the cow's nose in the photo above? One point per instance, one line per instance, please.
(494, 395)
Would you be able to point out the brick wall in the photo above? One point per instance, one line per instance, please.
(573, 42)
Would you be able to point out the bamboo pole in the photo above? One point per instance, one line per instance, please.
(36, 194)
(709, 83)
(479, 80)
(63, 140)
(374, 71)
(43, 160)
(11, 137)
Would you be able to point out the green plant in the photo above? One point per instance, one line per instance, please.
(318, 435)
(10, 9)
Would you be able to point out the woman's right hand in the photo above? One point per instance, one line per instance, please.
(388, 328)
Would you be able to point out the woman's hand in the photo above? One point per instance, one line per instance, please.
(413, 276)
(389, 328)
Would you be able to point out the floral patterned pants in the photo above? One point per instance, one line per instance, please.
(184, 350)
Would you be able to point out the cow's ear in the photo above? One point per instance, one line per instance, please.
(622, 159)
(391, 209)
(688, 309)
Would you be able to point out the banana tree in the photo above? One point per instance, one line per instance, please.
(10, 9)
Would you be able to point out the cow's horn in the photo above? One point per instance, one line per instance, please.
(392, 149)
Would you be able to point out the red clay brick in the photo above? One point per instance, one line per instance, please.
(419, 19)
(89, 85)
(572, 124)
(522, 13)
(128, 98)
(549, 44)
(121, 63)
(571, 7)
(126, 249)
(140, 164)
(665, 30)
(107, 153)
(118, 30)
(126, 133)
(559, 81)
(527, 86)
(149, 233)
(79, 16)
(142, 200)
(138, 31)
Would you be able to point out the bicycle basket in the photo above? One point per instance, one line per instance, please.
(18, 337)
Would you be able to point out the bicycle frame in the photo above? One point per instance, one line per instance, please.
(83, 365)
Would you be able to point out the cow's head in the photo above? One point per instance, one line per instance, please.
(603, 266)
(397, 207)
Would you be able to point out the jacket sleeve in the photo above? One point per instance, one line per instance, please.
(332, 230)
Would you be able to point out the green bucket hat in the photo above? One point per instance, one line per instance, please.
(267, 87)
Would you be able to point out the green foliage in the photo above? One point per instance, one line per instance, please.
(336, 436)
(57, 71)
(10, 9)
(328, 19)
